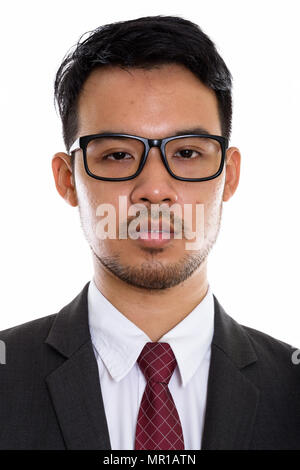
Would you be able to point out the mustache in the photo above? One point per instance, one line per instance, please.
(162, 219)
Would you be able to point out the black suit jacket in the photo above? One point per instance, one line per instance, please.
(50, 394)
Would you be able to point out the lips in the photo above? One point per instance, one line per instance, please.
(159, 229)
(157, 237)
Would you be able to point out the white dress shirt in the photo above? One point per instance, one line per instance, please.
(118, 342)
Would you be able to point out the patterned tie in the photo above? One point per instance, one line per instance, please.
(158, 424)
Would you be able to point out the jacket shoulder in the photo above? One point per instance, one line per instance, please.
(278, 359)
(30, 331)
(268, 344)
(25, 346)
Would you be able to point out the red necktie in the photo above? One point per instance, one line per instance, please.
(158, 424)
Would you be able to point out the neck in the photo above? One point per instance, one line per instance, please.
(153, 311)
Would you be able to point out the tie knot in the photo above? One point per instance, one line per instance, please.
(157, 362)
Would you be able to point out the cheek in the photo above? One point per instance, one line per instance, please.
(91, 194)
(209, 198)
(88, 198)
(214, 196)
(213, 207)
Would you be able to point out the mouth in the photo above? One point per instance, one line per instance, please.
(156, 237)
(156, 228)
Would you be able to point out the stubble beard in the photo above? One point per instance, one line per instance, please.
(153, 274)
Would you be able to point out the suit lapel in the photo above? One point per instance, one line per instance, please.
(232, 399)
(74, 386)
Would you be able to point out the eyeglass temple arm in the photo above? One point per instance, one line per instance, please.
(75, 146)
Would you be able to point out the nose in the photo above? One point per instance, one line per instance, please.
(154, 185)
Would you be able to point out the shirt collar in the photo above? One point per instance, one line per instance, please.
(119, 341)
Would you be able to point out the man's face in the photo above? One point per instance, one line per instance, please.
(154, 103)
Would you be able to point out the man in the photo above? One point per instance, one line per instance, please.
(145, 357)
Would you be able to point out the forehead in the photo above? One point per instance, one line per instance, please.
(139, 100)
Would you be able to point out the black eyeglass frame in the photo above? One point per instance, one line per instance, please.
(82, 143)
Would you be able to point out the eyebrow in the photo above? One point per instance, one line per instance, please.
(195, 130)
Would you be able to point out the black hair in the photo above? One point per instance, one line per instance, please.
(142, 43)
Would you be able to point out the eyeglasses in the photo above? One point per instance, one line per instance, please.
(120, 157)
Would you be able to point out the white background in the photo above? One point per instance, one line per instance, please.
(253, 269)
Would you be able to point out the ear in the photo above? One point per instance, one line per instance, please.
(232, 162)
(64, 179)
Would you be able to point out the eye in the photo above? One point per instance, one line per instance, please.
(117, 156)
(187, 153)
